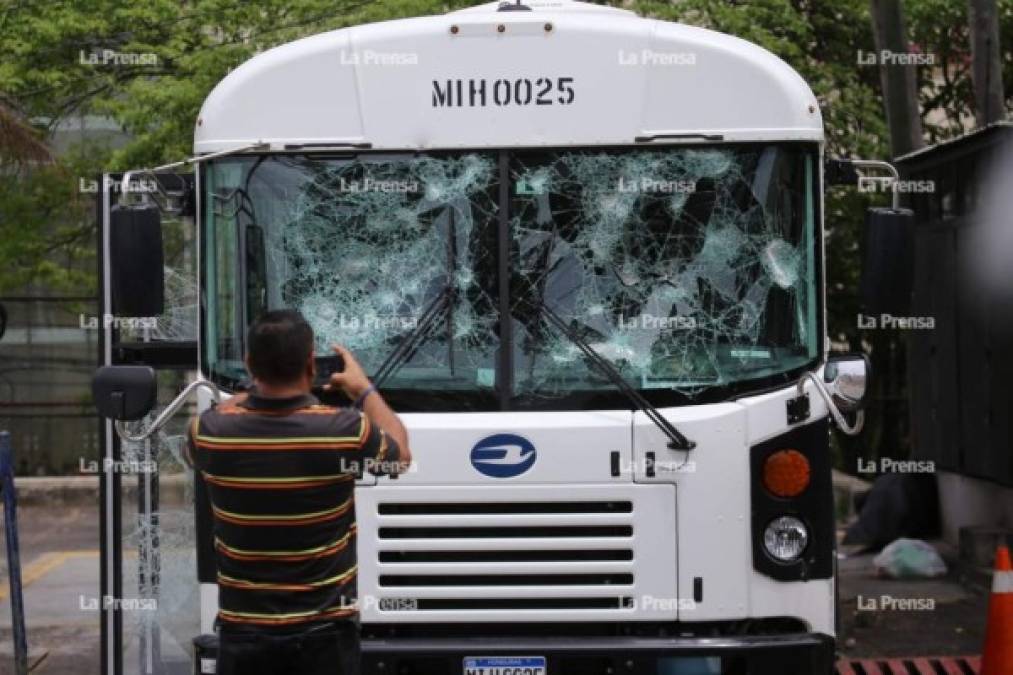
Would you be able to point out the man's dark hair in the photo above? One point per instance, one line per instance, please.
(278, 346)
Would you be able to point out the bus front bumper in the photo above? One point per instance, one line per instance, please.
(787, 654)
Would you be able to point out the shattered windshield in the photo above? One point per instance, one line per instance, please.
(362, 246)
(691, 270)
(686, 268)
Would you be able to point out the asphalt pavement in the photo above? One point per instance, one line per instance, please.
(59, 563)
(60, 558)
(886, 618)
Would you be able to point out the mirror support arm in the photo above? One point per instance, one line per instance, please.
(883, 166)
(131, 174)
(169, 411)
(839, 420)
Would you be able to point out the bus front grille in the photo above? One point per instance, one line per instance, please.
(512, 553)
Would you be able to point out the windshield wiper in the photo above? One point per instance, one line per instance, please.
(442, 305)
(676, 440)
(406, 347)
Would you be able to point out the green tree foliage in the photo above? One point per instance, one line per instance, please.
(823, 42)
(47, 225)
(149, 66)
(939, 28)
(146, 65)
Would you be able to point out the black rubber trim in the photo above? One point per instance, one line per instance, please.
(391, 533)
(612, 601)
(797, 409)
(815, 506)
(661, 645)
(207, 565)
(444, 580)
(511, 555)
(472, 508)
(789, 654)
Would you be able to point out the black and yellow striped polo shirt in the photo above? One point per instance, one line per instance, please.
(280, 475)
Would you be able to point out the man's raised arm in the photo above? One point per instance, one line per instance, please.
(356, 385)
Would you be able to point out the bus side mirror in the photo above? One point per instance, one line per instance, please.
(887, 261)
(124, 392)
(847, 378)
(136, 261)
(839, 172)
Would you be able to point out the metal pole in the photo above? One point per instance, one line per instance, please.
(13, 554)
(883, 166)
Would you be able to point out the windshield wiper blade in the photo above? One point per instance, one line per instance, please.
(676, 440)
(406, 347)
(442, 305)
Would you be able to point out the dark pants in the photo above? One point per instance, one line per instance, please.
(332, 649)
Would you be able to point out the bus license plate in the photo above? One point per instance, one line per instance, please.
(504, 665)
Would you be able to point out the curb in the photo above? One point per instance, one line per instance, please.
(50, 491)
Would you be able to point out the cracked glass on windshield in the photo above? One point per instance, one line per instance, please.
(366, 248)
(685, 268)
(689, 269)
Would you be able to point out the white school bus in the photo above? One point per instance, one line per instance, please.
(582, 253)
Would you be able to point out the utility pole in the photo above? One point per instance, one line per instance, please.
(899, 80)
(986, 60)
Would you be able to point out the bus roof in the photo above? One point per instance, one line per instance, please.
(560, 73)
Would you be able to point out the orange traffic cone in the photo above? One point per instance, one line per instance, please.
(997, 657)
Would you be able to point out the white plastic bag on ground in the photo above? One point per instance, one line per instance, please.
(909, 559)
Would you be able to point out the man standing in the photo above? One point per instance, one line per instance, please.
(280, 470)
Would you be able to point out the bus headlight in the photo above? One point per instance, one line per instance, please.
(785, 538)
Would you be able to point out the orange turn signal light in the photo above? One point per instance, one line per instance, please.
(786, 473)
